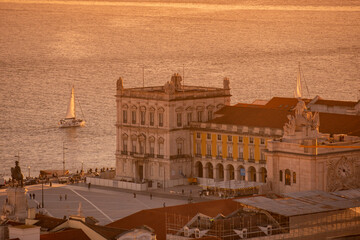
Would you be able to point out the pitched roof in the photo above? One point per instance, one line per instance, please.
(48, 222)
(156, 218)
(105, 231)
(284, 103)
(68, 234)
(336, 103)
(275, 118)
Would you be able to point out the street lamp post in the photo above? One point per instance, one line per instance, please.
(64, 158)
(29, 170)
(42, 193)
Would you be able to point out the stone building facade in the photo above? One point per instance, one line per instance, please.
(153, 142)
(306, 160)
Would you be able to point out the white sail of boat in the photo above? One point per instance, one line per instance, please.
(70, 119)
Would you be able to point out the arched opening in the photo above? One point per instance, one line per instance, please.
(241, 173)
(252, 174)
(231, 172)
(287, 177)
(199, 169)
(263, 175)
(220, 171)
(210, 170)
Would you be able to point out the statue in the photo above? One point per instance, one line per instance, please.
(226, 83)
(289, 128)
(119, 84)
(169, 87)
(16, 174)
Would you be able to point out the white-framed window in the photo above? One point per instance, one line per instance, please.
(230, 150)
(208, 136)
(210, 115)
(161, 171)
(241, 152)
(208, 149)
(124, 166)
(179, 119)
(189, 118)
(142, 147)
(142, 117)
(133, 146)
(198, 135)
(151, 116)
(161, 149)
(152, 148)
(219, 137)
(124, 116)
(240, 139)
(152, 170)
(262, 141)
(125, 145)
(219, 150)
(251, 140)
(161, 119)
(133, 117)
(262, 155)
(179, 148)
(200, 116)
(251, 153)
(229, 138)
(198, 148)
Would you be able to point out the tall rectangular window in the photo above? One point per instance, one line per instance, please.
(142, 117)
(262, 141)
(161, 119)
(229, 138)
(198, 148)
(230, 150)
(251, 153)
(210, 114)
(189, 118)
(125, 145)
(200, 116)
(251, 140)
(124, 116)
(152, 149)
(208, 149)
(133, 146)
(219, 137)
(178, 119)
(151, 118)
(142, 147)
(219, 150)
(208, 136)
(161, 149)
(179, 148)
(240, 139)
(133, 117)
(241, 152)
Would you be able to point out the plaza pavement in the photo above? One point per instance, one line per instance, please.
(104, 203)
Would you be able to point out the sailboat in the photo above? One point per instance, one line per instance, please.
(70, 119)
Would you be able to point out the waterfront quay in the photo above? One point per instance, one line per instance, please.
(103, 203)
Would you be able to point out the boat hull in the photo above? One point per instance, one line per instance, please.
(67, 123)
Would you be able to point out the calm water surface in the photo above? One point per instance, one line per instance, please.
(45, 46)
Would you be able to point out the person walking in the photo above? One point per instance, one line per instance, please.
(134, 195)
(65, 197)
(33, 195)
(60, 197)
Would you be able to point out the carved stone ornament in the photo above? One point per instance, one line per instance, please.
(169, 87)
(341, 174)
(226, 83)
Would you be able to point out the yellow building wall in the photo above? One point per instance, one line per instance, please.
(203, 144)
(246, 147)
(213, 145)
(235, 147)
(257, 149)
(224, 146)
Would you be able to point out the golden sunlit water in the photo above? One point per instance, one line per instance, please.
(46, 46)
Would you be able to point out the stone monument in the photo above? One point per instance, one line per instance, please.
(15, 206)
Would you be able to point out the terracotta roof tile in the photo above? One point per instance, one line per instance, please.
(69, 234)
(275, 118)
(48, 222)
(284, 103)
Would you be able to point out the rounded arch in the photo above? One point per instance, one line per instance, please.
(231, 172)
(161, 109)
(263, 174)
(209, 170)
(220, 171)
(251, 174)
(241, 173)
(125, 106)
(199, 169)
(151, 139)
(161, 140)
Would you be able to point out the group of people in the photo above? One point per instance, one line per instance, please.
(65, 197)
(32, 195)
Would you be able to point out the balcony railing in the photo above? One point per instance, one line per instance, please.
(208, 156)
(151, 155)
(229, 158)
(124, 152)
(219, 157)
(197, 155)
(160, 156)
(132, 153)
(261, 161)
(251, 160)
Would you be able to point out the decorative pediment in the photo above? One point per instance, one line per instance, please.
(142, 108)
(161, 140)
(200, 108)
(151, 139)
(179, 109)
(161, 109)
(133, 107)
(125, 136)
(210, 107)
(190, 109)
(152, 109)
(219, 106)
(125, 106)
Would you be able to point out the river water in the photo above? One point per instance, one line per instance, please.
(46, 46)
